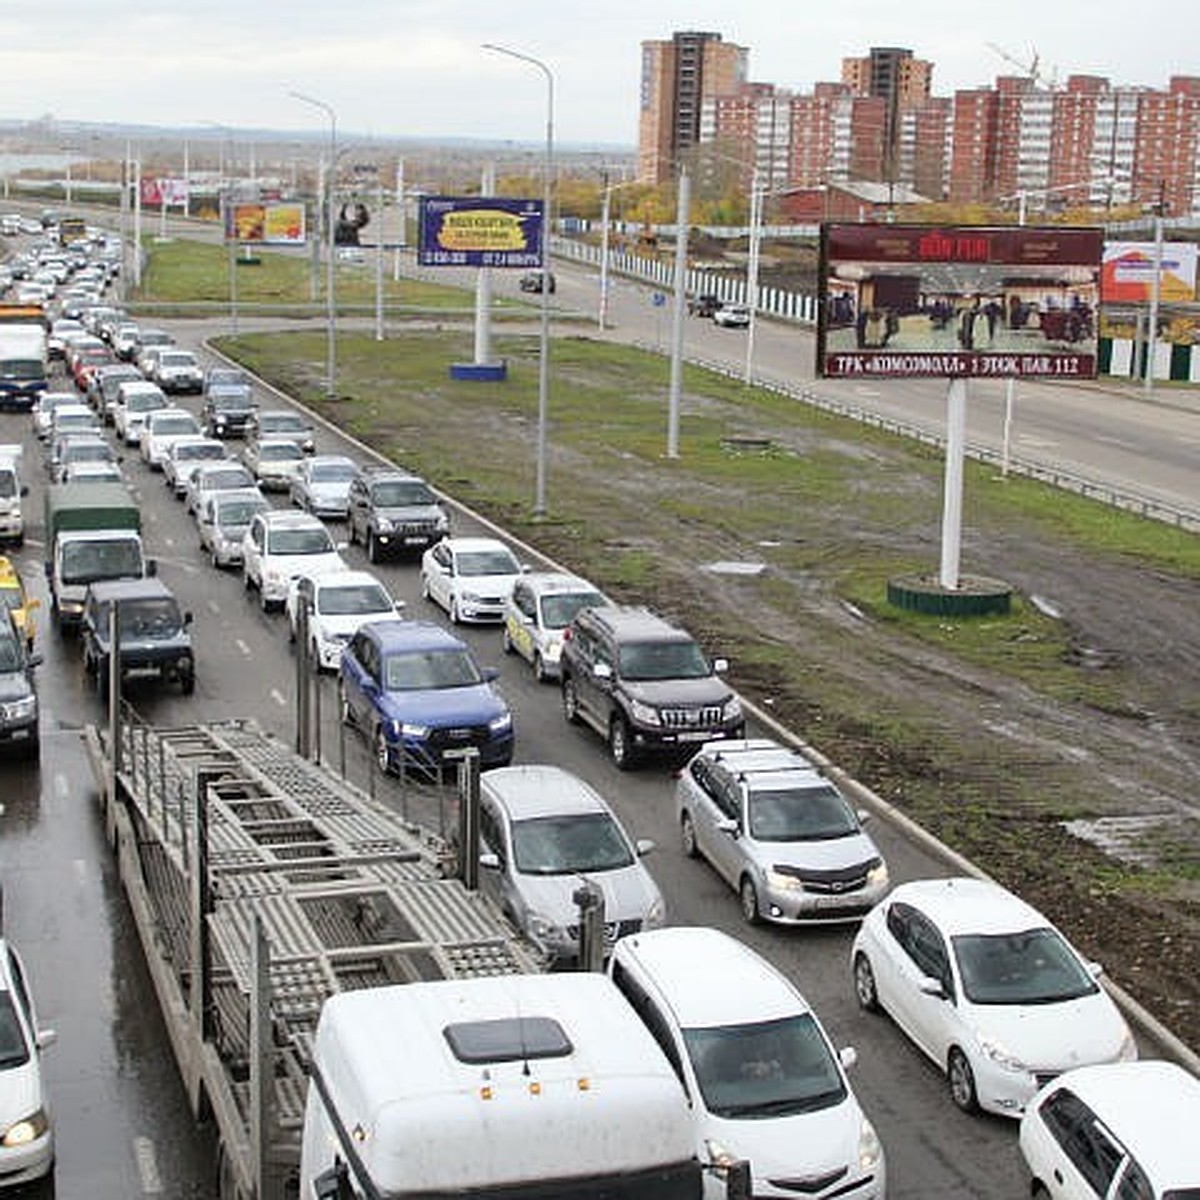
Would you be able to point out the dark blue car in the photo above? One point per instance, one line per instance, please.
(416, 691)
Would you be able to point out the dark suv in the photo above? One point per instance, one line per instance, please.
(392, 512)
(227, 410)
(18, 699)
(644, 685)
(155, 636)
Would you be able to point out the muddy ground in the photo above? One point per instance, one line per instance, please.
(1086, 807)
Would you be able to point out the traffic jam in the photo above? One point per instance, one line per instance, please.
(839, 1009)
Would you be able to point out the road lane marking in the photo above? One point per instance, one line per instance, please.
(80, 867)
(147, 1165)
(214, 607)
(62, 789)
(242, 647)
(278, 697)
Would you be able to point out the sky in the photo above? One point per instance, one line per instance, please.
(417, 68)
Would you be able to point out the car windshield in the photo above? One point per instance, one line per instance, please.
(10, 654)
(172, 425)
(11, 598)
(424, 670)
(678, 659)
(197, 450)
(558, 611)
(813, 814)
(283, 423)
(280, 452)
(768, 1069)
(22, 368)
(299, 541)
(87, 452)
(1034, 966)
(224, 377)
(8, 485)
(486, 562)
(68, 421)
(341, 600)
(88, 562)
(239, 512)
(332, 472)
(229, 399)
(216, 481)
(176, 358)
(144, 402)
(402, 494)
(566, 845)
(14, 1050)
(152, 617)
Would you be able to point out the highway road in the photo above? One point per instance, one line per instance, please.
(123, 1126)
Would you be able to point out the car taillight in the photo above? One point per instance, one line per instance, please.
(566, 634)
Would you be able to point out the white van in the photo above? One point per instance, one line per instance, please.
(12, 516)
(765, 1084)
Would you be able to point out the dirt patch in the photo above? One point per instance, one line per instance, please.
(994, 765)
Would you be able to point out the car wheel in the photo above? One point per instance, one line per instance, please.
(506, 643)
(749, 898)
(864, 984)
(687, 837)
(344, 705)
(425, 587)
(618, 743)
(187, 682)
(212, 558)
(263, 602)
(247, 582)
(962, 1081)
(570, 700)
(372, 546)
(314, 659)
(454, 614)
(539, 669)
(351, 536)
(383, 752)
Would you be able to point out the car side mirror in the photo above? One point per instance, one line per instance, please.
(863, 816)
(340, 546)
(602, 670)
(720, 666)
(46, 1037)
(151, 567)
(729, 825)
(33, 604)
(645, 846)
(187, 619)
(489, 861)
(929, 986)
(490, 674)
(1095, 969)
(24, 489)
(399, 605)
(847, 1056)
(34, 660)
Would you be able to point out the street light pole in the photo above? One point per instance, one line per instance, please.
(330, 305)
(539, 504)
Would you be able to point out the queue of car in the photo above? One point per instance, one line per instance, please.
(981, 983)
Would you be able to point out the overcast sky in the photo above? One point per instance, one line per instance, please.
(400, 68)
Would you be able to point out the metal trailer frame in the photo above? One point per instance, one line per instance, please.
(260, 884)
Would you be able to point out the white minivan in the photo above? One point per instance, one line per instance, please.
(764, 1082)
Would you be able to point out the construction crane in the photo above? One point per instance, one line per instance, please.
(1031, 69)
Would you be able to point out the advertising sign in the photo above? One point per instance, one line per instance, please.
(1129, 272)
(157, 192)
(958, 302)
(278, 223)
(479, 231)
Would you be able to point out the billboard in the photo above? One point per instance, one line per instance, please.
(965, 301)
(271, 223)
(159, 192)
(1129, 272)
(479, 231)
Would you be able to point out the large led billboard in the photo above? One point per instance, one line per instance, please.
(272, 222)
(964, 301)
(479, 231)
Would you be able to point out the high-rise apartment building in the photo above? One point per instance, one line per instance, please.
(677, 77)
(901, 81)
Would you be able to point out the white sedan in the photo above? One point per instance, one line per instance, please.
(336, 603)
(987, 988)
(471, 578)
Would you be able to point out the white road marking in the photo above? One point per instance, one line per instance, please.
(278, 697)
(62, 788)
(80, 867)
(214, 607)
(242, 647)
(147, 1165)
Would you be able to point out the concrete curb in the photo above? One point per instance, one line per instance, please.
(1172, 1046)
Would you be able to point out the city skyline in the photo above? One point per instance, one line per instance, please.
(418, 68)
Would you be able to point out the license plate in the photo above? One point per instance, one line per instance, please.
(693, 735)
(415, 541)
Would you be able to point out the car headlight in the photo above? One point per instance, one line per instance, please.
(469, 597)
(720, 1157)
(1000, 1055)
(877, 876)
(733, 708)
(869, 1149)
(542, 929)
(647, 714)
(655, 915)
(408, 729)
(28, 1129)
(19, 710)
(500, 724)
(384, 525)
(778, 881)
(273, 575)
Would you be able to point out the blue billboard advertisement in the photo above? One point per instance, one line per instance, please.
(480, 231)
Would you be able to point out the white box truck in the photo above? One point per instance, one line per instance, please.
(546, 1086)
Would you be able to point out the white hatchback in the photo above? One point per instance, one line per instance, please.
(763, 1081)
(987, 988)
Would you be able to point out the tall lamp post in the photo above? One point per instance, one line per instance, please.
(539, 504)
(330, 306)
